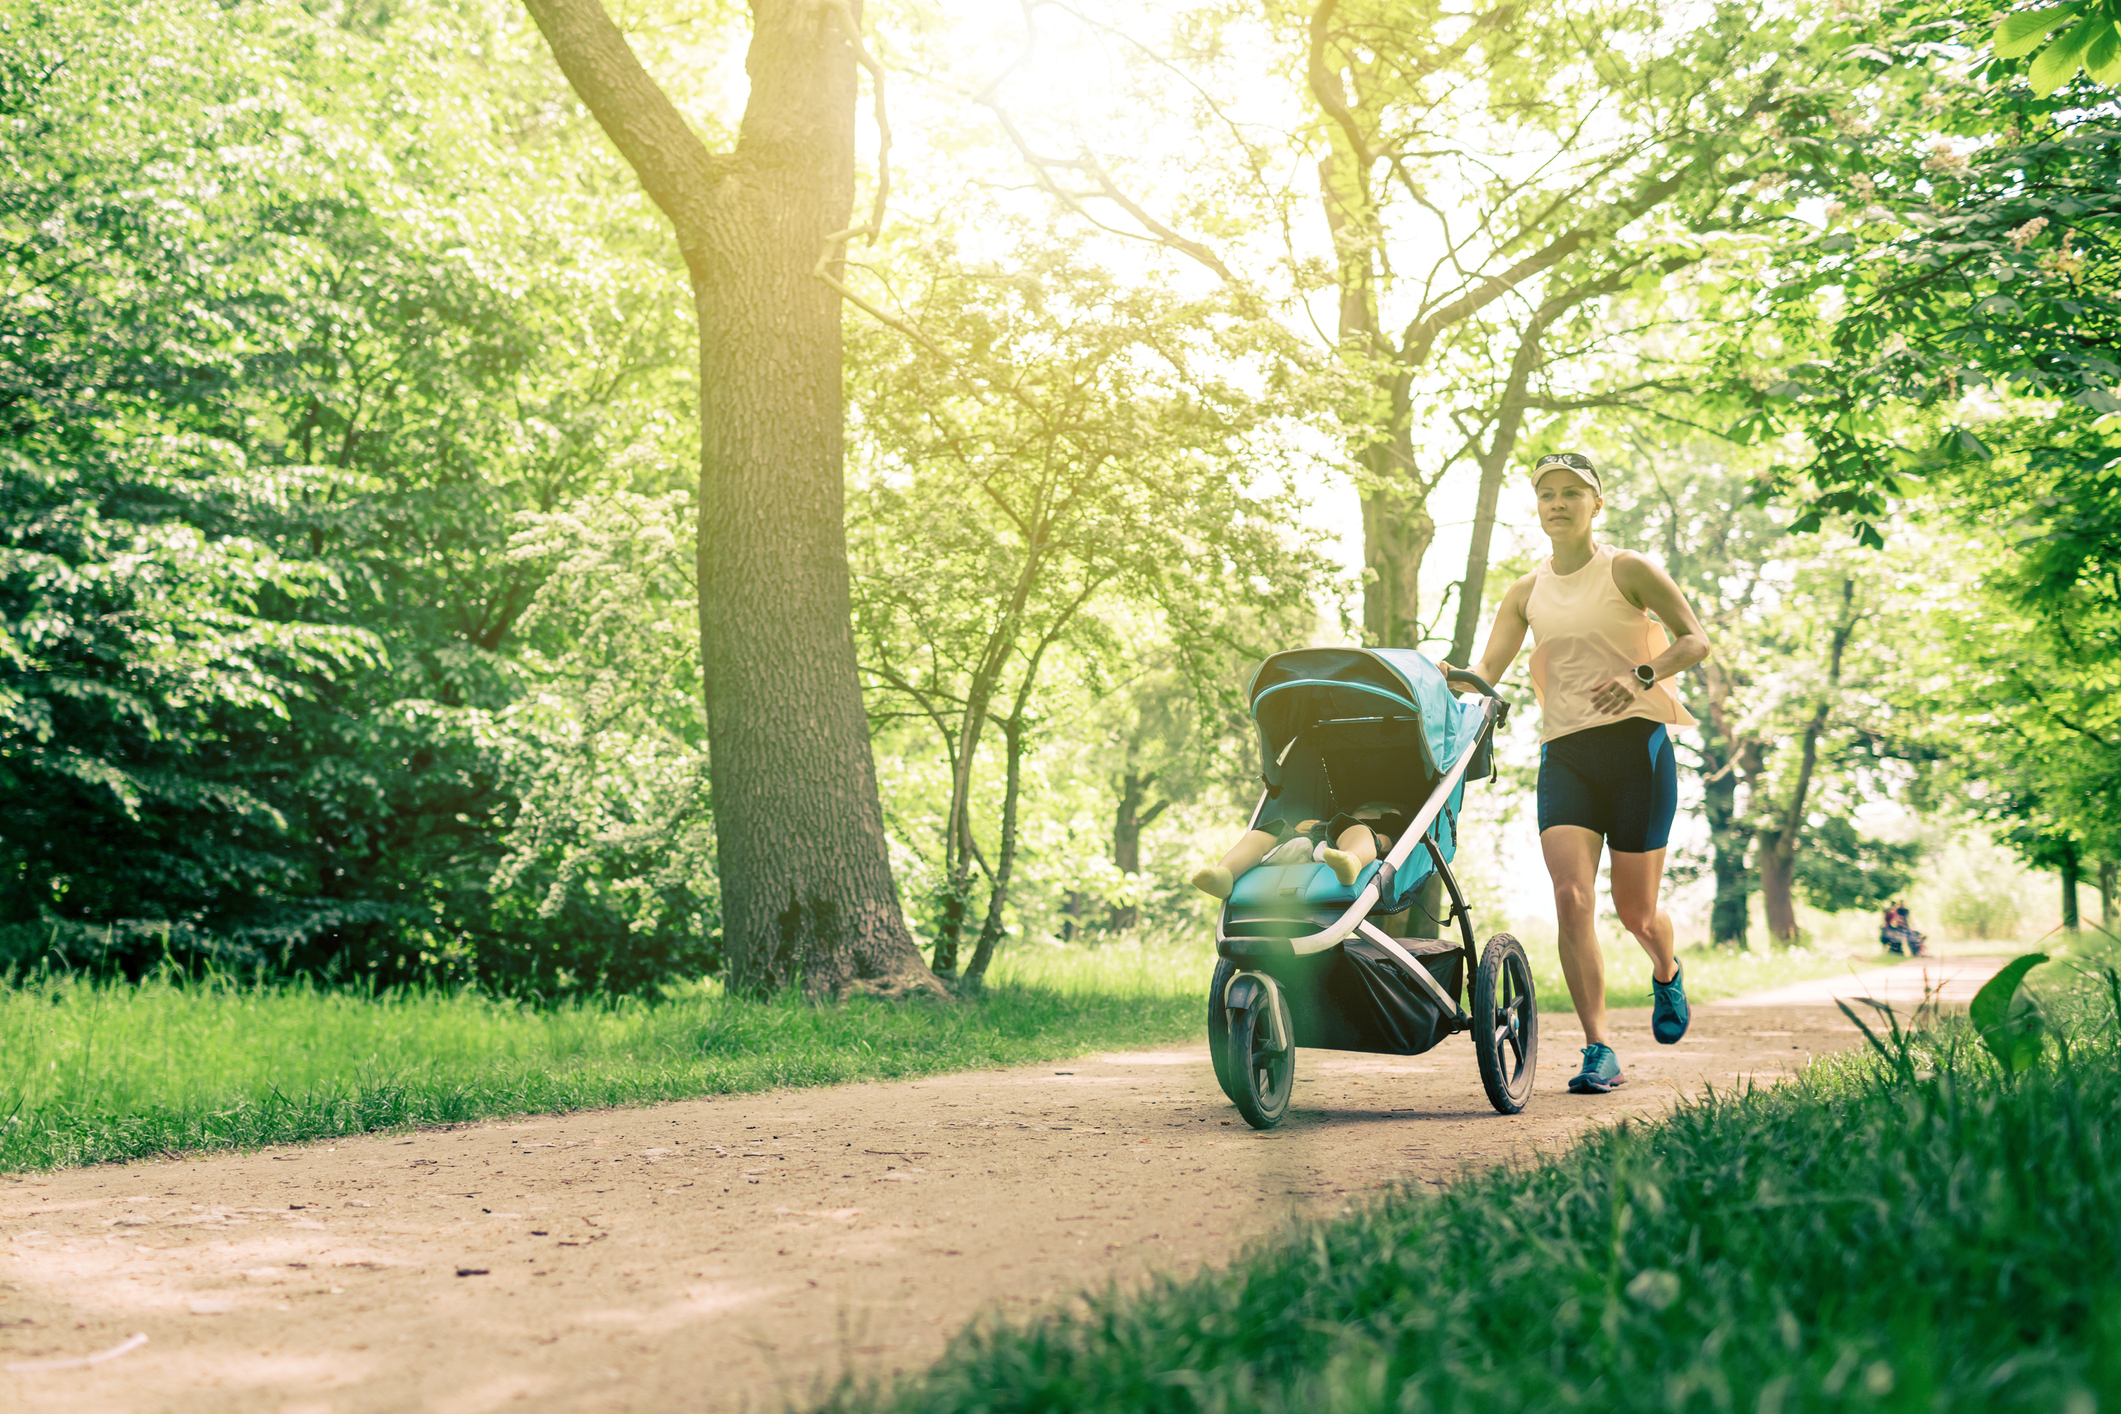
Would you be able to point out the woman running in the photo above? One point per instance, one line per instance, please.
(1607, 776)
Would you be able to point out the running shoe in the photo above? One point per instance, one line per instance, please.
(1600, 1073)
(1668, 1011)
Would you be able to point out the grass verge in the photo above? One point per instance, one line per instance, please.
(1924, 1234)
(91, 1072)
(94, 1072)
(1712, 974)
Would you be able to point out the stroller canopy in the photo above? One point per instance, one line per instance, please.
(1393, 689)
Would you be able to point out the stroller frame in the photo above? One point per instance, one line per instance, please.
(1251, 1031)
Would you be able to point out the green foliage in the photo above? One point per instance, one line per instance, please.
(2007, 1018)
(1103, 456)
(1969, 245)
(2086, 34)
(1838, 870)
(1851, 1240)
(284, 373)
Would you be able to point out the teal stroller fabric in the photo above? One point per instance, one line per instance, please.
(1341, 727)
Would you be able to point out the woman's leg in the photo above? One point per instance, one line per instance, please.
(1637, 880)
(1572, 861)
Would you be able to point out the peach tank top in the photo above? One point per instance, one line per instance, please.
(1585, 631)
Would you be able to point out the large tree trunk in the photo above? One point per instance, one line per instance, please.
(1396, 531)
(2072, 872)
(807, 895)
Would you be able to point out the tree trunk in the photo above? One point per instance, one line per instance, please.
(1128, 822)
(1494, 463)
(1725, 763)
(2106, 895)
(1396, 531)
(1473, 588)
(1778, 845)
(990, 933)
(2072, 871)
(807, 895)
(1777, 865)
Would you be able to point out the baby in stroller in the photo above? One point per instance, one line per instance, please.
(1346, 844)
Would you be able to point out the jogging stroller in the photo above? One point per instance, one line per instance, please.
(1306, 960)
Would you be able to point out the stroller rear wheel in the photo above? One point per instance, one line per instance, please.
(1505, 1024)
(1261, 1073)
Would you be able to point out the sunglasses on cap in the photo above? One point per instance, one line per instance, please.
(1574, 461)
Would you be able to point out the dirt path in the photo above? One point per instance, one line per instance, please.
(728, 1253)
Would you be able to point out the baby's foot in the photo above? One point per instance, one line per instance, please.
(1215, 882)
(1344, 865)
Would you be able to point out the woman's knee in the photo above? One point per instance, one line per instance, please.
(1573, 899)
(1642, 922)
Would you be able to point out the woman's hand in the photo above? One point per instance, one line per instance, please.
(1614, 696)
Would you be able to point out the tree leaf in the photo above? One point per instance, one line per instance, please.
(2056, 63)
(2019, 33)
(2102, 57)
(2015, 1043)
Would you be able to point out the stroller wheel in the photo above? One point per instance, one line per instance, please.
(1262, 1074)
(1505, 1024)
(1219, 1029)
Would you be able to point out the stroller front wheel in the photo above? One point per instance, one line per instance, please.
(1262, 1074)
(1219, 1028)
(1505, 1024)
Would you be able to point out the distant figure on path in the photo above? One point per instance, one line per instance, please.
(1607, 774)
(1897, 934)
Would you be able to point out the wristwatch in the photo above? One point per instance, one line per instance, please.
(1646, 675)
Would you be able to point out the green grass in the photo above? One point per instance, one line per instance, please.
(1711, 973)
(1923, 1235)
(91, 1071)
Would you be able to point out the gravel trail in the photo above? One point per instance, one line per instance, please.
(730, 1253)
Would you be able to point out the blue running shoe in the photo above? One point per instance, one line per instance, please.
(1668, 1013)
(1600, 1073)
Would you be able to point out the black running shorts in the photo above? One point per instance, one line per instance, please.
(1621, 780)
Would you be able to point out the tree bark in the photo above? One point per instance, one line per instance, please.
(2106, 895)
(1777, 897)
(990, 933)
(807, 894)
(1494, 461)
(2072, 872)
(1396, 532)
(1778, 844)
(1128, 822)
(1726, 763)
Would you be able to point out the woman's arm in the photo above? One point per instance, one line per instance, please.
(1646, 586)
(1505, 637)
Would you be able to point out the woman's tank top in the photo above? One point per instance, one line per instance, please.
(1584, 631)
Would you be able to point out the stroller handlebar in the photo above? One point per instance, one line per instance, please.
(1461, 675)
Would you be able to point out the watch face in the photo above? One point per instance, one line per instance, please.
(1646, 676)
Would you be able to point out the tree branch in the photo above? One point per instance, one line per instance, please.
(675, 167)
